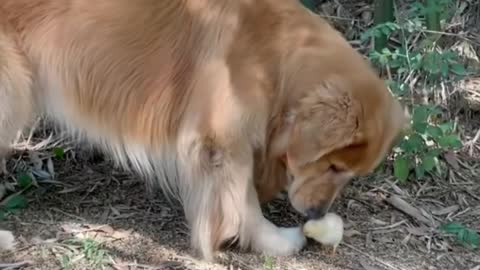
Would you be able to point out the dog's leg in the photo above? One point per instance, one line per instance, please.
(16, 98)
(269, 239)
(221, 203)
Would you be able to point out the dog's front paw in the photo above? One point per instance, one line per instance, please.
(280, 241)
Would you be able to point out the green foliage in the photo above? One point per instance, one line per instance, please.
(463, 234)
(433, 11)
(420, 150)
(24, 181)
(383, 15)
(94, 254)
(16, 201)
(268, 263)
(12, 204)
(434, 65)
(310, 4)
(59, 152)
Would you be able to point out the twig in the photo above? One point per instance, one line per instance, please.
(338, 18)
(408, 209)
(135, 265)
(67, 214)
(14, 265)
(390, 226)
(450, 34)
(371, 257)
(472, 142)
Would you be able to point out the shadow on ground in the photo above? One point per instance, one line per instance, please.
(92, 216)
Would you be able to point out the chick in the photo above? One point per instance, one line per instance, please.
(328, 230)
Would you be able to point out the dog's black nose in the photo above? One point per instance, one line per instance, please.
(316, 212)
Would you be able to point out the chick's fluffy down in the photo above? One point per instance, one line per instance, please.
(327, 230)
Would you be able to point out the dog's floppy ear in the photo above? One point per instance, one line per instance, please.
(327, 119)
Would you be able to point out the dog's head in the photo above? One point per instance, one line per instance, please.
(341, 123)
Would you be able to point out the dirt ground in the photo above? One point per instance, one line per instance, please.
(87, 214)
(90, 215)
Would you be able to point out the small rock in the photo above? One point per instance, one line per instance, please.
(7, 240)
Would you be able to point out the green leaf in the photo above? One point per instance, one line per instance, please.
(15, 202)
(419, 172)
(469, 237)
(463, 234)
(428, 163)
(434, 152)
(452, 227)
(458, 69)
(434, 132)
(444, 70)
(450, 141)
(446, 127)
(415, 143)
(401, 169)
(24, 181)
(59, 152)
(420, 127)
(420, 114)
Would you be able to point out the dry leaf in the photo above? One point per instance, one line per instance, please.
(50, 168)
(36, 160)
(120, 234)
(351, 232)
(451, 159)
(446, 210)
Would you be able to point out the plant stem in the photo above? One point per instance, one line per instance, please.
(432, 15)
(383, 13)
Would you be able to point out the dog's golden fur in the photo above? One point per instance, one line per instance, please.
(205, 98)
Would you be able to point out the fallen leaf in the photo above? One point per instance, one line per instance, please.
(71, 228)
(36, 160)
(50, 167)
(106, 229)
(451, 159)
(120, 234)
(351, 232)
(446, 210)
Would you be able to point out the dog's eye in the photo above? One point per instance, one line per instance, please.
(334, 168)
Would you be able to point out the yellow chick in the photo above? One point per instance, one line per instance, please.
(328, 230)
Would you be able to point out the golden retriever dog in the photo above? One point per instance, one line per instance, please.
(220, 104)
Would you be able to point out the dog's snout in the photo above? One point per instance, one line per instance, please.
(316, 212)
